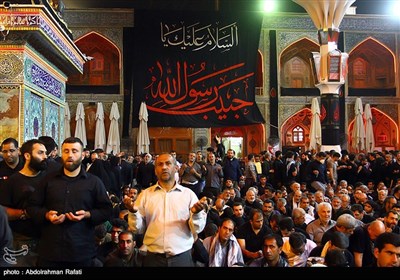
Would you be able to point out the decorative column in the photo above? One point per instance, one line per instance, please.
(330, 64)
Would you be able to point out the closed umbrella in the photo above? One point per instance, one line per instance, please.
(113, 143)
(143, 141)
(80, 129)
(369, 129)
(67, 120)
(315, 130)
(358, 136)
(100, 134)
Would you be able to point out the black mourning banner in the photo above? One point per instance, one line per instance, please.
(196, 69)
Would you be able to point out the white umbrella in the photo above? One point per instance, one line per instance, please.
(113, 143)
(80, 129)
(100, 134)
(143, 141)
(315, 130)
(369, 129)
(67, 119)
(358, 136)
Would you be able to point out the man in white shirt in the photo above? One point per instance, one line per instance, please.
(169, 215)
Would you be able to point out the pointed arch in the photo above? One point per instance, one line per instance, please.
(386, 131)
(299, 122)
(295, 66)
(104, 67)
(371, 66)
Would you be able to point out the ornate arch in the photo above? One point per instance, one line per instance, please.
(371, 65)
(386, 131)
(295, 66)
(104, 65)
(301, 119)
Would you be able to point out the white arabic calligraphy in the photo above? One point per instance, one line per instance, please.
(198, 37)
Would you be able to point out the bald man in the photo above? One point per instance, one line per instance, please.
(361, 242)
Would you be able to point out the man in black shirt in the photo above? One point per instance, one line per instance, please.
(68, 205)
(127, 254)
(362, 242)
(11, 162)
(53, 164)
(14, 197)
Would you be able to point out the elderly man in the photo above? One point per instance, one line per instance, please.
(318, 227)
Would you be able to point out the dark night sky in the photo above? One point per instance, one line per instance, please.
(363, 6)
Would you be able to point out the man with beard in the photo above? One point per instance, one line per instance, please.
(68, 205)
(223, 248)
(127, 254)
(14, 196)
(168, 215)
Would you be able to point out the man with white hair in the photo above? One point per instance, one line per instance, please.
(251, 201)
(318, 227)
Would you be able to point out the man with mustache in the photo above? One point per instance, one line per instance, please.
(169, 215)
(14, 196)
(68, 205)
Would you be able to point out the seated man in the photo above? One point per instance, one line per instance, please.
(297, 249)
(387, 250)
(127, 254)
(223, 248)
(272, 253)
(250, 235)
(118, 226)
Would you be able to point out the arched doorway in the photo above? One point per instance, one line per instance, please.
(244, 139)
(386, 131)
(295, 131)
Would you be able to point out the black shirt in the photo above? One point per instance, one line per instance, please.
(69, 241)
(6, 171)
(15, 194)
(254, 242)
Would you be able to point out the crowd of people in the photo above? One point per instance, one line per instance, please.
(72, 207)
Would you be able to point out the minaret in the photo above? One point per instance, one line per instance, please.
(330, 64)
